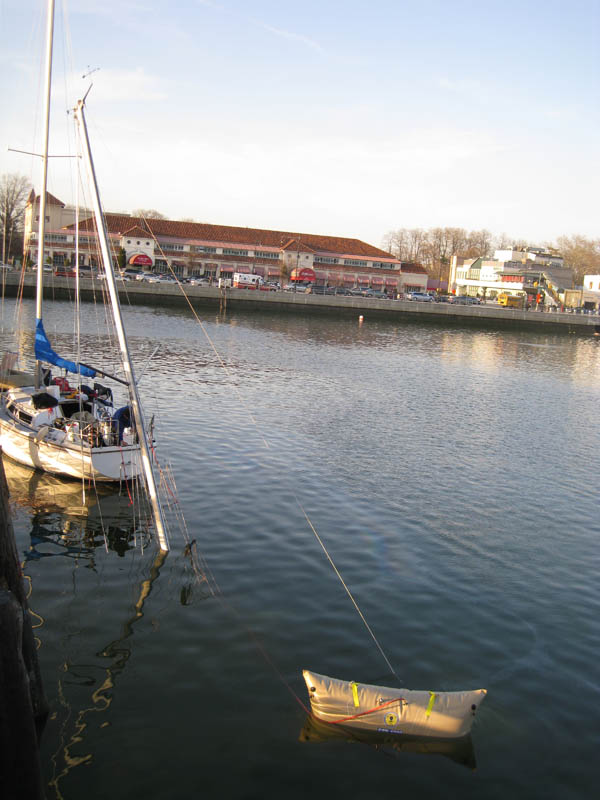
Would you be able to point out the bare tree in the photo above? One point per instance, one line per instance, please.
(436, 252)
(417, 241)
(581, 254)
(397, 243)
(14, 190)
(479, 243)
(457, 241)
(503, 242)
(148, 213)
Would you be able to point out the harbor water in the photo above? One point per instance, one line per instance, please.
(451, 476)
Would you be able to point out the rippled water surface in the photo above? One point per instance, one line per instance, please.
(452, 477)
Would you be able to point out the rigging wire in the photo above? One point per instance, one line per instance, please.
(167, 480)
(255, 423)
(345, 585)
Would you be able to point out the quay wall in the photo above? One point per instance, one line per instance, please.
(231, 300)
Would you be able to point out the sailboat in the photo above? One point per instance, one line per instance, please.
(73, 429)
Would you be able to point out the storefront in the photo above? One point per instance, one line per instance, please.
(305, 274)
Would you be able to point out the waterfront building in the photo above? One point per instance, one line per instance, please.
(194, 249)
(591, 282)
(540, 274)
(59, 216)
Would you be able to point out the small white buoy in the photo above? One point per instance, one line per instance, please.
(361, 319)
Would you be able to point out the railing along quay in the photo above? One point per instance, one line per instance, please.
(450, 314)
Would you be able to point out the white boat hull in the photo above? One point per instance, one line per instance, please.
(394, 711)
(68, 459)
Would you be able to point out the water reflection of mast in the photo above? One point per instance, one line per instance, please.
(101, 700)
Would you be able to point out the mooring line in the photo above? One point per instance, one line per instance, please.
(212, 344)
(348, 592)
(308, 520)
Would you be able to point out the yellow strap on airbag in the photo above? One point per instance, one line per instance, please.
(430, 704)
(354, 686)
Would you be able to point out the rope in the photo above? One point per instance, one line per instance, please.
(348, 592)
(370, 711)
(254, 422)
(240, 397)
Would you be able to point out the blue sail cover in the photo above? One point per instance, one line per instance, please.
(44, 352)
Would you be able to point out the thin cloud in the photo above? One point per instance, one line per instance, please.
(295, 37)
(280, 32)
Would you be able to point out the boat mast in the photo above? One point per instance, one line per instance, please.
(116, 307)
(42, 220)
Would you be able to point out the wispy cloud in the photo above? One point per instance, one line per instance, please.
(306, 41)
(295, 37)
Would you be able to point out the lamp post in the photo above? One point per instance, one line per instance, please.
(297, 263)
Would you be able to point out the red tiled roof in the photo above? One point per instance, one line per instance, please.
(250, 237)
(136, 230)
(50, 199)
(298, 244)
(413, 268)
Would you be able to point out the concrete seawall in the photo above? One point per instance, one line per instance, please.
(447, 314)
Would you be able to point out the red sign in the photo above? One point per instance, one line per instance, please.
(305, 274)
(141, 260)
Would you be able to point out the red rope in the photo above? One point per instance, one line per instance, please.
(125, 473)
(370, 711)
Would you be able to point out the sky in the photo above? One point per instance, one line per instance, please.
(348, 118)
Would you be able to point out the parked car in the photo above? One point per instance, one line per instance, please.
(420, 297)
(338, 290)
(466, 300)
(296, 287)
(377, 293)
(64, 272)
